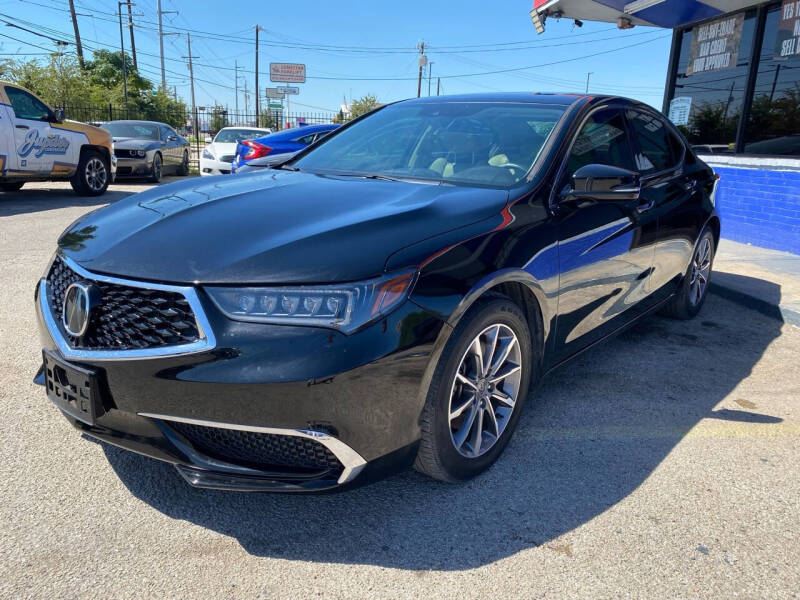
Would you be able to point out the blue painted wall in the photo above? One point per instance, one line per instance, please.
(760, 207)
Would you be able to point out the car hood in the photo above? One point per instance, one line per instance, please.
(222, 148)
(133, 143)
(271, 227)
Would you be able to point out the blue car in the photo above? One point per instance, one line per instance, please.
(286, 142)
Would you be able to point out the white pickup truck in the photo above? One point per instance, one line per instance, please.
(37, 144)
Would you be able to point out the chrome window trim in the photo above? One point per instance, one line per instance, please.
(206, 340)
(351, 460)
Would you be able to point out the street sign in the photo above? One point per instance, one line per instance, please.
(274, 93)
(288, 90)
(277, 105)
(287, 72)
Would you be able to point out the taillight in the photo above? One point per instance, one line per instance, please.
(255, 150)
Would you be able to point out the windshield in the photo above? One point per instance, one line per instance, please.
(231, 136)
(491, 144)
(142, 131)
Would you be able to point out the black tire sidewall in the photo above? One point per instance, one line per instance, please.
(457, 466)
(690, 309)
(155, 177)
(78, 180)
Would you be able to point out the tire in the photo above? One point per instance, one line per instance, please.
(689, 299)
(157, 169)
(183, 168)
(12, 186)
(92, 176)
(440, 455)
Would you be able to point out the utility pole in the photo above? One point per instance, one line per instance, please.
(430, 68)
(246, 102)
(122, 47)
(587, 80)
(236, 89)
(133, 43)
(161, 35)
(438, 85)
(258, 28)
(78, 46)
(423, 60)
(195, 126)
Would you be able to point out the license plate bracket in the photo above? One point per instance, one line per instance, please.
(73, 389)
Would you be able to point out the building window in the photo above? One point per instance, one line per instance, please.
(773, 126)
(711, 81)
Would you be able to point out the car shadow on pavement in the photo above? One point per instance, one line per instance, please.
(591, 434)
(38, 200)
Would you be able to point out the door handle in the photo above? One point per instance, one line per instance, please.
(690, 185)
(645, 205)
(22, 127)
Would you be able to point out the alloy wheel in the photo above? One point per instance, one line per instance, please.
(484, 391)
(95, 174)
(701, 269)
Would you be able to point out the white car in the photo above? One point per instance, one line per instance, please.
(218, 155)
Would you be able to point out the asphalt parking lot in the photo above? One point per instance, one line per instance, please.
(662, 464)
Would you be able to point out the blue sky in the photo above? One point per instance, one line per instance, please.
(348, 50)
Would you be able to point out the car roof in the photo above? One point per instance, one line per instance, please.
(295, 132)
(532, 97)
(139, 121)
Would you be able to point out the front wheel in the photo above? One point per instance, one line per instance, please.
(155, 173)
(183, 168)
(12, 186)
(91, 178)
(477, 392)
(689, 299)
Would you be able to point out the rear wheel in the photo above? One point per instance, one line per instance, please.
(91, 178)
(183, 168)
(12, 186)
(477, 392)
(155, 172)
(689, 299)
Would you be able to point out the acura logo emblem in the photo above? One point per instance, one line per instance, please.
(77, 308)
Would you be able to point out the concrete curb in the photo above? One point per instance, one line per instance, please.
(780, 313)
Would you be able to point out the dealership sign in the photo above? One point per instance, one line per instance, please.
(787, 42)
(715, 45)
(288, 90)
(287, 72)
(274, 93)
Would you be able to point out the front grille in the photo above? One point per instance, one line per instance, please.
(121, 153)
(260, 450)
(226, 158)
(126, 317)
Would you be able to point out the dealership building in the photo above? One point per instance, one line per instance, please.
(733, 88)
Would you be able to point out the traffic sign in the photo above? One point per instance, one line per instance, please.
(287, 72)
(288, 90)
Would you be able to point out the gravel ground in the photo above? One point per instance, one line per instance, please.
(662, 464)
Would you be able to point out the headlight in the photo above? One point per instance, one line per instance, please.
(346, 307)
(139, 153)
(207, 154)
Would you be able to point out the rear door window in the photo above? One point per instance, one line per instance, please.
(658, 148)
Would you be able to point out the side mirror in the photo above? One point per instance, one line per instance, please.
(58, 115)
(171, 138)
(603, 182)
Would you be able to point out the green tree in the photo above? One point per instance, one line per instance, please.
(339, 118)
(219, 119)
(363, 105)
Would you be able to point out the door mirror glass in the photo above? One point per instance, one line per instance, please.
(58, 115)
(172, 138)
(602, 182)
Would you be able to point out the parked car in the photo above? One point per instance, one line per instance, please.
(388, 297)
(218, 155)
(269, 161)
(37, 144)
(148, 149)
(289, 140)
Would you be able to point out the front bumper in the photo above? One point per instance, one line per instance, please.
(134, 167)
(360, 396)
(214, 167)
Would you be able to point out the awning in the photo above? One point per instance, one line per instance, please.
(658, 13)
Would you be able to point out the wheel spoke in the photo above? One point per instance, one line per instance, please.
(509, 346)
(463, 432)
(504, 398)
(508, 370)
(491, 346)
(477, 353)
(459, 410)
(477, 436)
(466, 381)
(493, 419)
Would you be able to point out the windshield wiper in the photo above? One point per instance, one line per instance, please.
(289, 168)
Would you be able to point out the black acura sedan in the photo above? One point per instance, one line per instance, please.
(385, 298)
